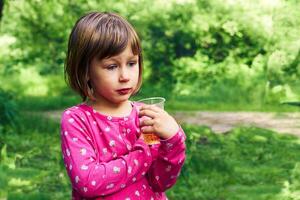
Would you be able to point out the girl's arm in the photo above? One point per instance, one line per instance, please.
(89, 177)
(166, 168)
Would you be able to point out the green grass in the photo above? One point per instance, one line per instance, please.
(32, 166)
(247, 163)
(49, 103)
(172, 104)
(180, 103)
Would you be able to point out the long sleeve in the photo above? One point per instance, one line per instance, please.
(92, 178)
(166, 168)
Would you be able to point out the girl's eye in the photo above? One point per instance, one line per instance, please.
(132, 64)
(111, 67)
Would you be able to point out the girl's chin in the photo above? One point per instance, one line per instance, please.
(121, 99)
(114, 98)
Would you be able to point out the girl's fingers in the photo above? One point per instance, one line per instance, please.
(151, 107)
(148, 113)
(147, 129)
(146, 122)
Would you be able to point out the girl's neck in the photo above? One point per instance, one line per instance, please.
(117, 110)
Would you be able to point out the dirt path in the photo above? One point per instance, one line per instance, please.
(221, 122)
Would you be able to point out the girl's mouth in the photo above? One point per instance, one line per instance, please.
(124, 91)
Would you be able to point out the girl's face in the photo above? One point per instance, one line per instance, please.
(110, 75)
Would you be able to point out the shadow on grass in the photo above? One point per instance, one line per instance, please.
(246, 163)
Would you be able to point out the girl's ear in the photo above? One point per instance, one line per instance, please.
(90, 91)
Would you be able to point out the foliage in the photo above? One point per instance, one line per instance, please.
(291, 190)
(247, 163)
(8, 109)
(31, 166)
(218, 54)
(240, 51)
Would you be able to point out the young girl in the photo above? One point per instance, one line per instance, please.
(101, 139)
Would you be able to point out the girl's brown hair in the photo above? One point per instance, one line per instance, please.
(101, 35)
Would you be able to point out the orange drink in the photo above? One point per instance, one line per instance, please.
(152, 138)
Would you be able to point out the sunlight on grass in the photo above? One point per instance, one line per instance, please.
(247, 163)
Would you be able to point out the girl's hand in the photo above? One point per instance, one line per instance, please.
(142, 137)
(159, 122)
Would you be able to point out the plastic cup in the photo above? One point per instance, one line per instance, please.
(152, 138)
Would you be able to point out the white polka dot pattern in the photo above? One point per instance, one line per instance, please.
(76, 179)
(110, 186)
(71, 120)
(104, 150)
(112, 143)
(129, 170)
(84, 167)
(84, 132)
(68, 152)
(83, 151)
(116, 170)
(85, 189)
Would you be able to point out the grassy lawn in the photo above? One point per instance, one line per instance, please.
(31, 165)
(247, 163)
(177, 103)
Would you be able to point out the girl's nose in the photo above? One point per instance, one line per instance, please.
(124, 75)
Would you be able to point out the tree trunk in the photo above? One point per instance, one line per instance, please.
(1, 8)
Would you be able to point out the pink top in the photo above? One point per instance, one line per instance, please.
(105, 159)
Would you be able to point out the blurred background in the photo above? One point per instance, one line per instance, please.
(233, 61)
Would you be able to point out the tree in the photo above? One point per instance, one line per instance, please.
(1, 8)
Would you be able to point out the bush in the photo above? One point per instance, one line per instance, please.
(8, 108)
(214, 49)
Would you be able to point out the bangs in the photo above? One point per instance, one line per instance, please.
(111, 38)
